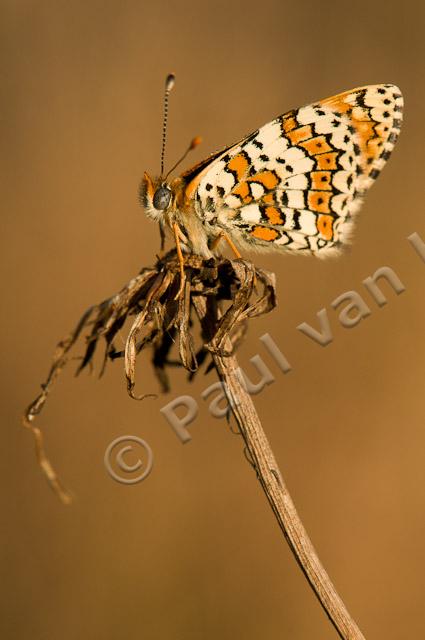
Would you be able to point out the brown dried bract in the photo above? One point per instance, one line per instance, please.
(234, 290)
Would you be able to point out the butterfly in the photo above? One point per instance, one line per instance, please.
(294, 185)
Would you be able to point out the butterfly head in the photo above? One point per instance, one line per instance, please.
(156, 196)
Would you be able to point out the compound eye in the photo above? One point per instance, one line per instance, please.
(162, 198)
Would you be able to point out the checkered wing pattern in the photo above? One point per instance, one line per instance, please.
(296, 183)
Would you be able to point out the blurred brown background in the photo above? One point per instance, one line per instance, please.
(194, 550)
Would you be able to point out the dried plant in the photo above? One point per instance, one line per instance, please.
(222, 294)
(162, 319)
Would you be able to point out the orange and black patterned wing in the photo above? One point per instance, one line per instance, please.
(296, 183)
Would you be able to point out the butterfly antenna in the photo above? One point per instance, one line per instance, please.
(197, 140)
(169, 84)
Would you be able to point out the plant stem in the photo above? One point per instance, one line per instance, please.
(274, 487)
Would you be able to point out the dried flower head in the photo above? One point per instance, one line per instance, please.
(233, 290)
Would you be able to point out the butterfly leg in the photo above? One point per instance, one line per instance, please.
(177, 235)
(229, 241)
(231, 244)
(162, 236)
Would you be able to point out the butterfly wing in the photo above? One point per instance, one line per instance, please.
(295, 183)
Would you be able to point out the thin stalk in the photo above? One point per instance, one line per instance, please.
(273, 484)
